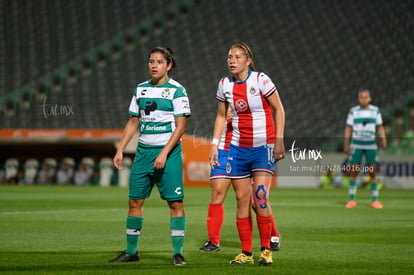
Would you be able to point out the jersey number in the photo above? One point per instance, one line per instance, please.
(270, 154)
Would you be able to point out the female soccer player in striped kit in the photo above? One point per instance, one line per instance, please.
(256, 145)
(220, 183)
(362, 123)
(159, 109)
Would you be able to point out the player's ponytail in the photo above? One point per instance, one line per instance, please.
(167, 53)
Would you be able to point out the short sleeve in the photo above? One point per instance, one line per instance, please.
(266, 86)
(350, 119)
(379, 118)
(133, 106)
(220, 93)
(181, 103)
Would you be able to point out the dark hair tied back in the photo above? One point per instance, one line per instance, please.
(247, 51)
(167, 53)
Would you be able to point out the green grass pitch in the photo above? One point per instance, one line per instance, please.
(75, 230)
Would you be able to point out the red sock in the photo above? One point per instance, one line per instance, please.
(245, 228)
(215, 218)
(265, 228)
(274, 233)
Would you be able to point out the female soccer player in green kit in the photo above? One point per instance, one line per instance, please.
(159, 109)
(362, 123)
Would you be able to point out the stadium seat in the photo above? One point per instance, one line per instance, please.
(11, 168)
(89, 161)
(43, 175)
(31, 168)
(68, 160)
(106, 170)
(65, 172)
(86, 168)
(124, 173)
(51, 161)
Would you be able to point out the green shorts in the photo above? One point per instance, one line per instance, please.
(168, 180)
(371, 156)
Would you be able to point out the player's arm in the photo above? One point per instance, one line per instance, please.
(276, 103)
(221, 120)
(129, 131)
(381, 133)
(347, 134)
(180, 125)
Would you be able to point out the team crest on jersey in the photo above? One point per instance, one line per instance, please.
(241, 105)
(252, 91)
(228, 168)
(166, 92)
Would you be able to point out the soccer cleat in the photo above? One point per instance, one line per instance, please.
(275, 243)
(209, 247)
(377, 204)
(124, 257)
(266, 257)
(242, 259)
(350, 204)
(178, 260)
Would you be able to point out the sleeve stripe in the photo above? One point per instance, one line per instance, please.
(270, 92)
(134, 114)
(183, 114)
(220, 99)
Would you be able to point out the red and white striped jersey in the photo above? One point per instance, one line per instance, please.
(253, 123)
(226, 136)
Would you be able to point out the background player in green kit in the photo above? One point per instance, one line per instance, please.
(363, 121)
(159, 109)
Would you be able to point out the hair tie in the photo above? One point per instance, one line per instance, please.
(245, 49)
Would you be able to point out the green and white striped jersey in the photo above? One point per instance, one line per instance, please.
(157, 107)
(364, 124)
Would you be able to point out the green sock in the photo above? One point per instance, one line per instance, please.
(133, 225)
(374, 191)
(352, 190)
(177, 226)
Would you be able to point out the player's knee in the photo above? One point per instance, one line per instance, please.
(218, 196)
(136, 204)
(176, 205)
(261, 195)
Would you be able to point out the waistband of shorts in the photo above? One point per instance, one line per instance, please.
(141, 145)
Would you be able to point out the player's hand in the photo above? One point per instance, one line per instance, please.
(384, 143)
(118, 160)
(346, 148)
(213, 156)
(279, 150)
(160, 161)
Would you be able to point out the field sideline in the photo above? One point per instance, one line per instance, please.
(75, 230)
